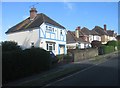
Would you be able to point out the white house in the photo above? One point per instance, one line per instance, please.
(76, 39)
(112, 35)
(95, 36)
(39, 30)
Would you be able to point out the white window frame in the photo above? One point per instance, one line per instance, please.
(48, 45)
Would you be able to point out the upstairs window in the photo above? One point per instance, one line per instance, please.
(49, 29)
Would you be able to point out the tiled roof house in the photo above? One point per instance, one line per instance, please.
(103, 33)
(112, 35)
(39, 30)
(91, 34)
(76, 38)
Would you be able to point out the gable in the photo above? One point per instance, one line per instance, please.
(86, 31)
(100, 30)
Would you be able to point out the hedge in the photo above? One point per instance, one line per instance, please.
(114, 43)
(118, 45)
(18, 64)
(104, 49)
(10, 46)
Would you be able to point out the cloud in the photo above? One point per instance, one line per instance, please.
(68, 5)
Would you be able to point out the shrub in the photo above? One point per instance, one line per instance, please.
(96, 44)
(112, 43)
(104, 49)
(18, 64)
(118, 47)
(9, 46)
(118, 37)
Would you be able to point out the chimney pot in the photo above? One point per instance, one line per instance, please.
(105, 27)
(33, 13)
(77, 31)
(78, 28)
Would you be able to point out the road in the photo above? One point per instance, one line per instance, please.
(103, 74)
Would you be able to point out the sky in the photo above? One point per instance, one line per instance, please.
(68, 14)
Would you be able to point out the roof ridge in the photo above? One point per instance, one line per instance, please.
(43, 17)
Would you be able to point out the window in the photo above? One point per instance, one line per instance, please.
(32, 44)
(61, 32)
(46, 27)
(50, 46)
(49, 29)
(53, 29)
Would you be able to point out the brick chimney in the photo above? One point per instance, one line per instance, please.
(77, 31)
(33, 13)
(105, 27)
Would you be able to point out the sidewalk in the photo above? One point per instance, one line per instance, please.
(60, 71)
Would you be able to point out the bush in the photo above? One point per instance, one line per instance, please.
(10, 46)
(18, 64)
(112, 43)
(118, 42)
(95, 44)
(104, 49)
(118, 37)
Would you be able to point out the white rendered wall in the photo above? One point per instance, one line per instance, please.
(39, 37)
(25, 38)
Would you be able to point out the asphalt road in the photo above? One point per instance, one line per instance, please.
(103, 74)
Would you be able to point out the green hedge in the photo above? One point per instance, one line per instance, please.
(10, 46)
(18, 64)
(118, 45)
(108, 49)
(114, 43)
(104, 49)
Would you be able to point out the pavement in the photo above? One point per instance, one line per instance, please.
(60, 71)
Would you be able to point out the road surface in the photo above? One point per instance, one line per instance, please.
(103, 74)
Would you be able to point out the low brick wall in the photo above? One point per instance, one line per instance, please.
(83, 54)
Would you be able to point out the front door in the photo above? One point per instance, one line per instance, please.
(62, 49)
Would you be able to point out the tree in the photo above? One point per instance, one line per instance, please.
(118, 37)
(95, 44)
